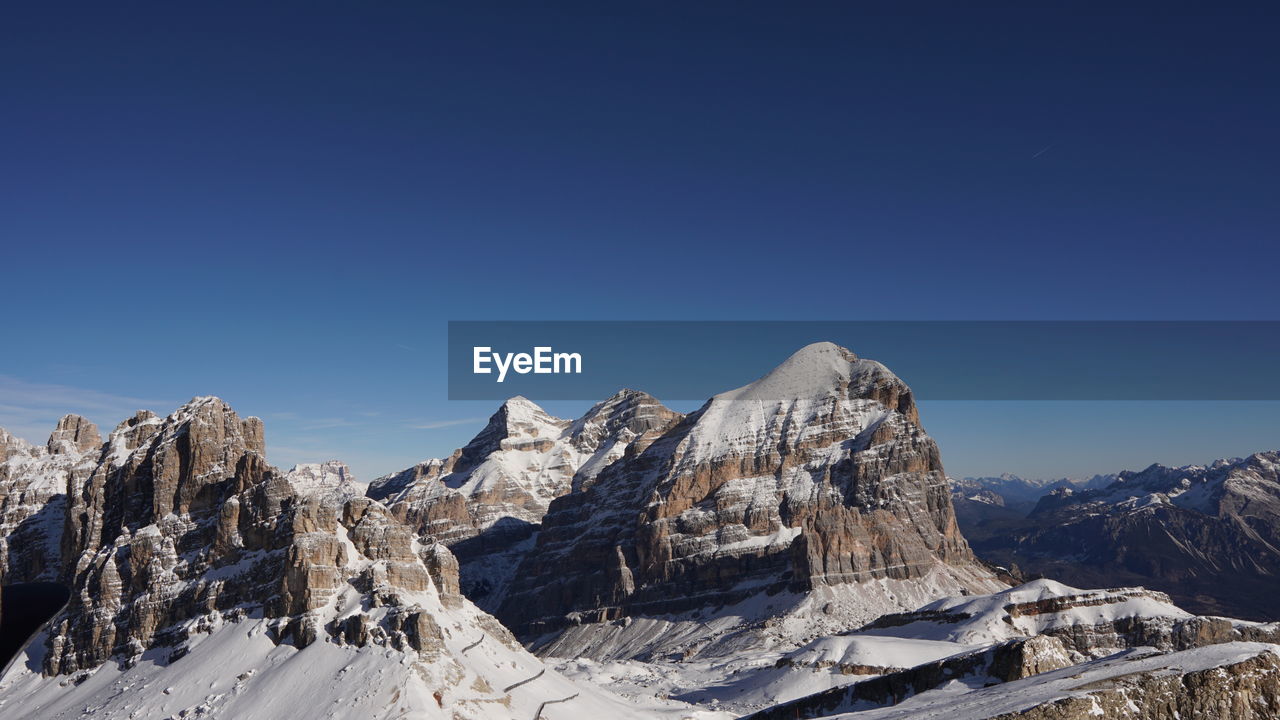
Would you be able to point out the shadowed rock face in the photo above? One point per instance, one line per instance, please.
(817, 474)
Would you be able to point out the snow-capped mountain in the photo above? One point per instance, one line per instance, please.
(1018, 493)
(815, 481)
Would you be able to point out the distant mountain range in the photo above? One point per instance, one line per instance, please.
(1017, 493)
(1207, 535)
(790, 549)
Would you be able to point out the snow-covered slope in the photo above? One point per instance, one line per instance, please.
(1035, 608)
(997, 637)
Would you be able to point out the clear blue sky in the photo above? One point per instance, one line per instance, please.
(283, 206)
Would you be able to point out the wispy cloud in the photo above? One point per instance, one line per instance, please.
(31, 409)
(326, 423)
(445, 423)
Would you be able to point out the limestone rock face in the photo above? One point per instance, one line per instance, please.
(818, 474)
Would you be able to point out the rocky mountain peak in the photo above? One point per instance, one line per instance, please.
(818, 370)
(816, 475)
(73, 435)
(213, 414)
(11, 445)
(160, 469)
(623, 417)
(634, 409)
(517, 425)
(329, 477)
(190, 559)
(521, 417)
(820, 388)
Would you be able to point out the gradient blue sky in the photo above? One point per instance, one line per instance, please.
(284, 205)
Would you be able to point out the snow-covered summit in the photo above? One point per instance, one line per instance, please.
(522, 459)
(521, 417)
(819, 388)
(815, 370)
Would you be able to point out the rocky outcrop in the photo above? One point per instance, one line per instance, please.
(1089, 623)
(74, 435)
(1005, 662)
(1027, 632)
(818, 474)
(1247, 689)
(183, 520)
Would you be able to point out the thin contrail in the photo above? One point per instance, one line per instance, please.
(1043, 150)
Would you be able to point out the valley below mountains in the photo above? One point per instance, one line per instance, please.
(791, 549)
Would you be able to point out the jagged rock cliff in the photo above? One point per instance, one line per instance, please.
(819, 474)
